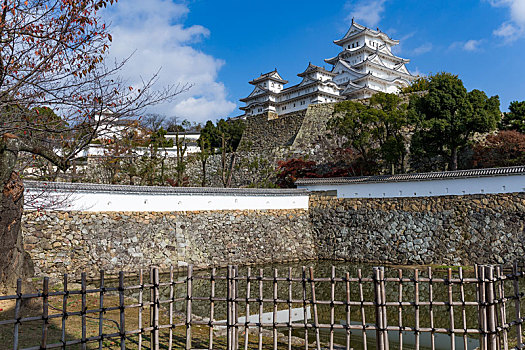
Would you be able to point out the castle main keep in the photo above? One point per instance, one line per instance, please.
(365, 65)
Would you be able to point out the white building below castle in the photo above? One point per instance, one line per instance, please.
(365, 65)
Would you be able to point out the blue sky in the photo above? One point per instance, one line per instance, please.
(220, 45)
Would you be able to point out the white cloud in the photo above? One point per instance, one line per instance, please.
(419, 73)
(514, 28)
(368, 12)
(469, 45)
(154, 32)
(472, 45)
(422, 49)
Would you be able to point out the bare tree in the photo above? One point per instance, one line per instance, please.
(52, 53)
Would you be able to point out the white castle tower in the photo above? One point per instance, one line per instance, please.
(366, 65)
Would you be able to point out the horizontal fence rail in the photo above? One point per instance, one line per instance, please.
(239, 308)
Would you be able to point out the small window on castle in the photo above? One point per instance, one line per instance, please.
(294, 104)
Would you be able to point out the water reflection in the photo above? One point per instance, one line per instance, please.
(463, 316)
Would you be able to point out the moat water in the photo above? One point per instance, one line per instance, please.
(322, 269)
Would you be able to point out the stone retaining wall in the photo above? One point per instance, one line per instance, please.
(262, 133)
(426, 230)
(71, 242)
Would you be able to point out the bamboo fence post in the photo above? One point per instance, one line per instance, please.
(383, 307)
(416, 306)
(101, 313)
(45, 312)
(151, 306)
(314, 305)
(64, 312)
(154, 305)
(189, 297)
(83, 306)
(363, 313)
(491, 316)
(290, 297)
(212, 308)
(305, 294)
(517, 304)
(400, 308)
(502, 301)
(478, 298)
(451, 309)
(261, 309)
(348, 314)
(122, 311)
(141, 305)
(236, 306)
(332, 308)
(274, 317)
(431, 309)
(247, 317)
(18, 305)
(380, 340)
(463, 308)
(228, 308)
(172, 297)
(482, 307)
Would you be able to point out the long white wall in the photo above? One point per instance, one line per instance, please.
(424, 188)
(171, 152)
(92, 198)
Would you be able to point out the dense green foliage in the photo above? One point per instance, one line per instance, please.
(221, 138)
(515, 118)
(447, 117)
(374, 131)
(429, 133)
(224, 134)
(418, 85)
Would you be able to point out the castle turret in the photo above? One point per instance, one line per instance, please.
(264, 96)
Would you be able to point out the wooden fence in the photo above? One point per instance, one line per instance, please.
(384, 309)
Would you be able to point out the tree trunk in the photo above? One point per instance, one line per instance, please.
(454, 159)
(14, 261)
(230, 174)
(203, 162)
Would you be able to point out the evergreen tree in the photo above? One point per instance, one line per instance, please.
(448, 116)
(515, 118)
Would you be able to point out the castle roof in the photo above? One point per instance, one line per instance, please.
(380, 51)
(307, 83)
(369, 62)
(352, 69)
(374, 77)
(357, 30)
(313, 68)
(254, 94)
(167, 190)
(273, 75)
(352, 87)
(442, 175)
